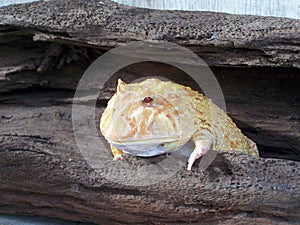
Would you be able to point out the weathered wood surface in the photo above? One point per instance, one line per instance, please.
(41, 169)
(43, 173)
(220, 39)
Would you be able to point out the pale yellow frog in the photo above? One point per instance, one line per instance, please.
(154, 117)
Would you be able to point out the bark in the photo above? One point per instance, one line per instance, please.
(45, 48)
(220, 39)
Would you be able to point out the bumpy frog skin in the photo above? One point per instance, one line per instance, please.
(154, 117)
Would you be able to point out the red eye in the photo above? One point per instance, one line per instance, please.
(147, 100)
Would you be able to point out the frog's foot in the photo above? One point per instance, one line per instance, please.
(117, 153)
(196, 154)
(203, 142)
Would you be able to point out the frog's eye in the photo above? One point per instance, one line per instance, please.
(147, 100)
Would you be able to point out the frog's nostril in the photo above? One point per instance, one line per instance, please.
(147, 100)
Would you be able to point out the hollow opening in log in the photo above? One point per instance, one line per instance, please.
(263, 102)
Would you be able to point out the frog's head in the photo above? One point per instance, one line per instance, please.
(141, 116)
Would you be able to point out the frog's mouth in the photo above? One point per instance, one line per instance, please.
(144, 148)
(144, 152)
(153, 147)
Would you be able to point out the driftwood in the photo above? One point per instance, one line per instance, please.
(46, 47)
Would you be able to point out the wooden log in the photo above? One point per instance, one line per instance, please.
(220, 39)
(46, 46)
(43, 173)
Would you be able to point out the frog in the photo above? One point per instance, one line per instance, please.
(155, 117)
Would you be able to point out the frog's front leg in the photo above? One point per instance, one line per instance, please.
(203, 140)
(117, 153)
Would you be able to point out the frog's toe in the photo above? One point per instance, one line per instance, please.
(117, 158)
(117, 153)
